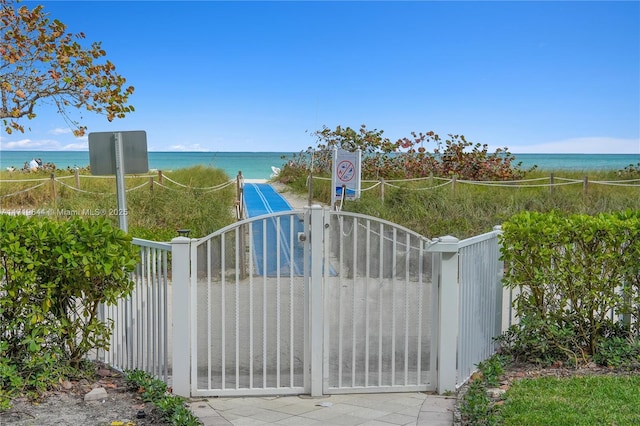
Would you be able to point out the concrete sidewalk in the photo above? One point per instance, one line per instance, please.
(412, 408)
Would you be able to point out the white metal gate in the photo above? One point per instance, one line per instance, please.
(379, 323)
(312, 301)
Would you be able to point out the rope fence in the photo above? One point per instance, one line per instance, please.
(151, 182)
(522, 183)
(552, 182)
(435, 182)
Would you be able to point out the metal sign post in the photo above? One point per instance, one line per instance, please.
(119, 153)
(120, 187)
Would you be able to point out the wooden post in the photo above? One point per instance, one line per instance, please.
(585, 185)
(151, 183)
(382, 189)
(453, 184)
(77, 174)
(551, 183)
(240, 216)
(239, 181)
(310, 187)
(240, 195)
(430, 178)
(53, 187)
(160, 178)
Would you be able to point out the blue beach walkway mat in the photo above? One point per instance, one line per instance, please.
(274, 239)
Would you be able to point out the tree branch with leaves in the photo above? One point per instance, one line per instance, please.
(41, 62)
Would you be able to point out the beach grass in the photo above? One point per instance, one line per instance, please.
(437, 207)
(431, 207)
(157, 204)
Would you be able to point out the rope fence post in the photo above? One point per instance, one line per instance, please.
(382, 189)
(240, 195)
(76, 172)
(160, 177)
(585, 185)
(151, 183)
(453, 184)
(53, 188)
(551, 184)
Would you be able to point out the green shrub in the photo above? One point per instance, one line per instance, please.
(476, 407)
(572, 272)
(540, 341)
(618, 352)
(53, 277)
(155, 391)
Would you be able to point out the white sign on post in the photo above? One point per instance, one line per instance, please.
(345, 179)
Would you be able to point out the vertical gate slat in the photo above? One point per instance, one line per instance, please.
(251, 307)
(265, 254)
(354, 308)
(420, 307)
(406, 308)
(278, 254)
(237, 305)
(209, 314)
(380, 297)
(367, 308)
(394, 272)
(223, 311)
(291, 296)
(339, 301)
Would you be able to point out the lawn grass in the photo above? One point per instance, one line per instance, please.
(588, 401)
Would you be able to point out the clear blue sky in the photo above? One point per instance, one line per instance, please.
(262, 76)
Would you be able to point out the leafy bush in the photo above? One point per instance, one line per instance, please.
(631, 171)
(618, 352)
(492, 369)
(540, 341)
(53, 277)
(572, 272)
(155, 391)
(476, 407)
(405, 158)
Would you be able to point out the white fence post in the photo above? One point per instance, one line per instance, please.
(316, 300)
(501, 292)
(181, 313)
(447, 246)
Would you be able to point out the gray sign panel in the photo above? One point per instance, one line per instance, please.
(102, 157)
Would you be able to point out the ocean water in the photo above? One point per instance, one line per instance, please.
(254, 165)
(257, 165)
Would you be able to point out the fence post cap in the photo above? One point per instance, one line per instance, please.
(180, 240)
(446, 244)
(447, 239)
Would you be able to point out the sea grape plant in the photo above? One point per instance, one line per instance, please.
(418, 155)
